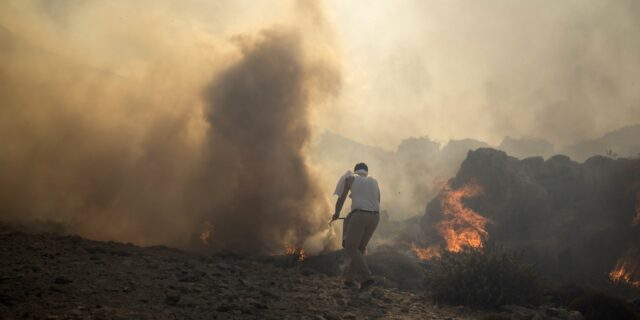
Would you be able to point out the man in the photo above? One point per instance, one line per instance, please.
(361, 221)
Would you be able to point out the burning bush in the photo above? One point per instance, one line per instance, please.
(483, 278)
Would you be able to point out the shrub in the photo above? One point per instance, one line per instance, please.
(483, 279)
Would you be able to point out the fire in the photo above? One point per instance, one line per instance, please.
(297, 252)
(627, 269)
(461, 227)
(626, 272)
(205, 236)
(431, 252)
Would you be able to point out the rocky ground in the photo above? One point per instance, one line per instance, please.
(51, 276)
(48, 276)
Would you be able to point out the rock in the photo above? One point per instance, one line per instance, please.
(349, 315)
(76, 313)
(269, 294)
(519, 311)
(309, 272)
(172, 297)
(189, 276)
(187, 302)
(538, 316)
(332, 315)
(377, 293)
(365, 295)
(57, 288)
(62, 280)
(575, 315)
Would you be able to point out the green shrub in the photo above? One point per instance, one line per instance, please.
(483, 279)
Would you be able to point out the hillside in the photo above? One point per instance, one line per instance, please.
(47, 276)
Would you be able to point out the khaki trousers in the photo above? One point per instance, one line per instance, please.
(359, 229)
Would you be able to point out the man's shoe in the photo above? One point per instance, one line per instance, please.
(367, 284)
(348, 284)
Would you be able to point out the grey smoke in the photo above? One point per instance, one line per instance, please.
(140, 122)
(262, 195)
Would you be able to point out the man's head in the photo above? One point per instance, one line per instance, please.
(361, 166)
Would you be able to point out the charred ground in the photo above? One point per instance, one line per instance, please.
(49, 276)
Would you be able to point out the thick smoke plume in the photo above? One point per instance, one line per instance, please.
(141, 121)
(258, 110)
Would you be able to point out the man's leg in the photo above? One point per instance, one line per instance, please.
(355, 232)
(369, 229)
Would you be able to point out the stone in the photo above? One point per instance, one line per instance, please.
(365, 295)
(62, 280)
(575, 315)
(377, 293)
(520, 311)
(172, 297)
(538, 316)
(269, 294)
(189, 276)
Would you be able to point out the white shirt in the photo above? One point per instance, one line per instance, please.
(365, 194)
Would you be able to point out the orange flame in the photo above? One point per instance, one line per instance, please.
(297, 252)
(205, 236)
(461, 227)
(627, 269)
(624, 273)
(431, 252)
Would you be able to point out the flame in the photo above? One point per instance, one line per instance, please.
(627, 269)
(461, 227)
(205, 236)
(296, 252)
(431, 252)
(624, 273)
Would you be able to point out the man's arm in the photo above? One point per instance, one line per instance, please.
(342, 198)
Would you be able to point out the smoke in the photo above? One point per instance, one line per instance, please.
(562, 71)
(258, 110)
(141, 121)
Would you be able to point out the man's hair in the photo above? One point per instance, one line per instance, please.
(362, 166)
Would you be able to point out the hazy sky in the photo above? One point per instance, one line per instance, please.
(558, 70)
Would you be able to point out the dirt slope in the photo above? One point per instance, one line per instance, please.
(47, 276)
